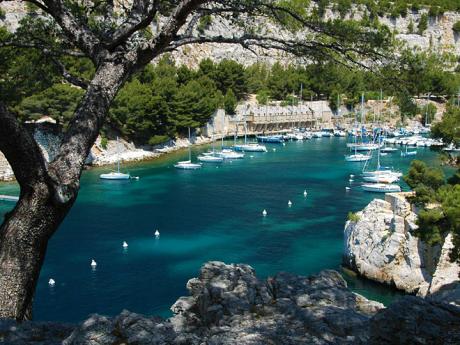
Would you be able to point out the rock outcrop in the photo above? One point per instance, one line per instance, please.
(381, 246)
(229, 305)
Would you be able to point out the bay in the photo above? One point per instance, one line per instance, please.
(214, 213)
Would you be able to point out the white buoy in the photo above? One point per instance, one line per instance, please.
(289, 203)
(305, 192)
(251, 156)
(351, 180)
(93, 263)
(264, 213)
(351, 175)
(274, 150)
(125, 245)
(347, 188)
(157, 233)
(51, 282)
(284, 144)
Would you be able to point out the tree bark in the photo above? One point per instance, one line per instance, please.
(47, 195)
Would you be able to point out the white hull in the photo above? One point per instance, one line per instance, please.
(357, 158)
(229, 154)
(210, 159)
(381, 188)
(251, 148)
(115, 176)
(388, 149)
(187, 165)
(381, 178)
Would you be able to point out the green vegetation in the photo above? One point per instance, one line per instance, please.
(456, 27)
(440, 205)
(422, 24)
(438, 199)
(353, 217)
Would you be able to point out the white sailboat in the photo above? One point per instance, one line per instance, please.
(249, 147)
(227, 153)
(357, 157)
(385, 175)
(381, 187)
(210, 157)
(408, 153)
(116, 175)
(188, 165)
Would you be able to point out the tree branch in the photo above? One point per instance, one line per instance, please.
(78, 33)
(141, 15)
(21, 150)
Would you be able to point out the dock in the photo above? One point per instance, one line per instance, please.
(8, 198)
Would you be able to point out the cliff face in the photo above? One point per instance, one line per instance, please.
(228, 305)
(381, 246)
(438, 36)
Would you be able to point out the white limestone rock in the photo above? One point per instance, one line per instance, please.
(389, 252)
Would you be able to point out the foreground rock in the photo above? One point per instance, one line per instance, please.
(229, 305)
(381, 246)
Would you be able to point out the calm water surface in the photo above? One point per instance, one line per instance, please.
(210, 214)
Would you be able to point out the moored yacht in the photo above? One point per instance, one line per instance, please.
(381, 187)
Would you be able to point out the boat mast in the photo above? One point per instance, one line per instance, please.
(118, 157)
(189, 146)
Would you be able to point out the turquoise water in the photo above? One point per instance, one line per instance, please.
(210, 214)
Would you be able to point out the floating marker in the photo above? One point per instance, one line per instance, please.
(289, 203)
(351, 180)
(284, 144)
(351, 175)
(93, 263)
(51, 282)
(347, 188)
(274, 150)
(157, 233)
(264, 213)
(305, 192)
(125, 245)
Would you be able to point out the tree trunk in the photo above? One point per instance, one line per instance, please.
(47, 196)
(23, 239)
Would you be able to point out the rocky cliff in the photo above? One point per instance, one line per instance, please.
(439, 35)
(381, 246)
(229, 305)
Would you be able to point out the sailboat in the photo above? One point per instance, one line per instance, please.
(227, 153)
(210, 157)
(381, 174)
(357, 157)
(188, 165)
(116, 175)
(249, 147)
(408, 153)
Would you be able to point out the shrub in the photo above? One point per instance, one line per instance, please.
(104, 142)
(158, 139)
(422, 24)
(353, 217)
(456, 27)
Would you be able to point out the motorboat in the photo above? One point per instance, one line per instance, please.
(381, 187)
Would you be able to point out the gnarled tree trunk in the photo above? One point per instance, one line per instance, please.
(48, 191)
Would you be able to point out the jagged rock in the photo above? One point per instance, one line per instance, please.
(382, 246)
(228, 305)
(412, 320)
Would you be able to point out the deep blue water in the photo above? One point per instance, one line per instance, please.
(209, 214)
